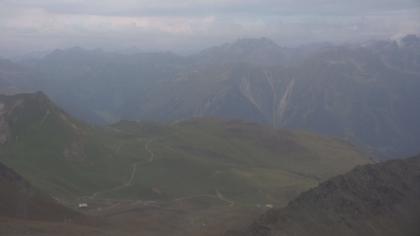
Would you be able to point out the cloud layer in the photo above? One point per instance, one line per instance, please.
(177, 25)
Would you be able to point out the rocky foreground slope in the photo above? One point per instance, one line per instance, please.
(379, 199)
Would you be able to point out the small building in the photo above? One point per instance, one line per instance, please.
(269, 206)
(83, 205)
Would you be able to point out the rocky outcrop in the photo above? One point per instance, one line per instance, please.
(379, 199)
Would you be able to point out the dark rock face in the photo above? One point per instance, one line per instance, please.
(379, 199)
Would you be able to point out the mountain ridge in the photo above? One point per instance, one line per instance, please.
(338, 90)
(377, 199)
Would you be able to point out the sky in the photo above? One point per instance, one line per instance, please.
(188, 25)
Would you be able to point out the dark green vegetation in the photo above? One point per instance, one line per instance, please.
(232, 162)
(366, 93)
(379, 199)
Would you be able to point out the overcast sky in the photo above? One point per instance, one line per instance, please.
(183, 25)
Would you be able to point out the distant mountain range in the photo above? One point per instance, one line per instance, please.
(380, 199)
(367, 93)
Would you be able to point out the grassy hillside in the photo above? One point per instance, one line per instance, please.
(230, 161)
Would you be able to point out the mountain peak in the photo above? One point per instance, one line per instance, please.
(77, 54)
(254, 43)
(376, 199)
(25, 113)
(410, 40)
(257, 51)
(39, 98)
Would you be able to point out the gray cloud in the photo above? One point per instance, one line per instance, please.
(214, 7)
(191, 24)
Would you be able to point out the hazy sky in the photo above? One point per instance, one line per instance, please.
(180, 25)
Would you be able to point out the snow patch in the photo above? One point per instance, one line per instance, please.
(284, 102)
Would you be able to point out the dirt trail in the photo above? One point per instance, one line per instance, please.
(45, 117)
(151, 153)
(218, 196)
(133, 172)
(222, 198)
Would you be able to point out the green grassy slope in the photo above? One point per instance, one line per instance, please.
(245, 162)
(229, 160)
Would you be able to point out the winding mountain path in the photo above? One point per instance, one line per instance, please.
(222, 198)
(151, 153)
(133, 172)
(45, 117)
(218, 196)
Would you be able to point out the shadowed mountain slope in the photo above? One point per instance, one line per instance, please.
(379, 199)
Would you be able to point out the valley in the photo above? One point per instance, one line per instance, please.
(209, 118)
(210, 174)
